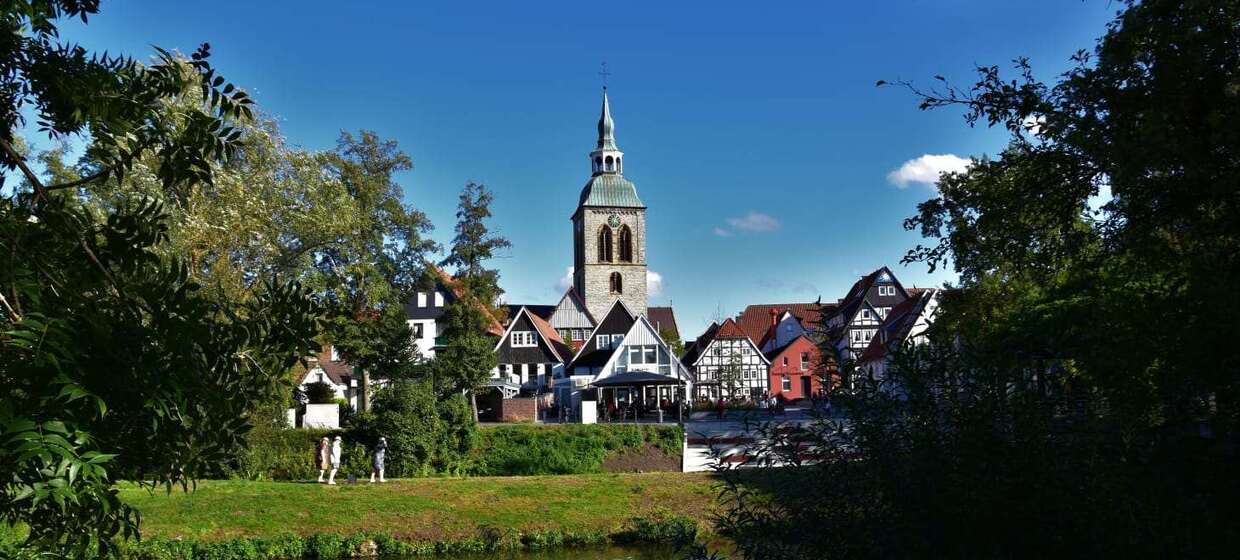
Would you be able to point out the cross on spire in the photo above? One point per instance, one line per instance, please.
(604, 74)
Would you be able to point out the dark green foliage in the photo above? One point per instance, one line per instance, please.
(320, 392)
(563, 449)
(426, 433)
(663, 527)
(474, 244)
(1079, 395)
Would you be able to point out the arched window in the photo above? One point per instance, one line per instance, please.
(604, 244)
(598, 163)
(626, 244)
(619, 164)
(617, 284)
(611, 165)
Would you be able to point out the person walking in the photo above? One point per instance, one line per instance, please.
(377, 460)
(335, 460)
(322, 457)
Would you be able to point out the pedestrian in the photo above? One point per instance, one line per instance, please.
(322, 457)
(335, 460)
(377, 460)
(772, 404)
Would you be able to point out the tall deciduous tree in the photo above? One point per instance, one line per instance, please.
(371, 272)
(114, 362)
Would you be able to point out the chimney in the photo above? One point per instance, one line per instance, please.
(774, 323)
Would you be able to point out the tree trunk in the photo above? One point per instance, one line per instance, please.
(364, 402)
(473, 404)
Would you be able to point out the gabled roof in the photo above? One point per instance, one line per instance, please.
(618, 320)
(898, 324)
(549, 336)
(542, 311)
(678, 368)
(663, 318)
(755, 320)
(577, 305)
(852, 303)
(694, 349)
(774, 353)
(729, 329)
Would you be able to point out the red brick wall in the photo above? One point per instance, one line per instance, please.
(518, 410)
(793, 370)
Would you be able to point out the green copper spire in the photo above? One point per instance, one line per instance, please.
(606, 127)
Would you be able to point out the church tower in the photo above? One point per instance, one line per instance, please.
(609, 230)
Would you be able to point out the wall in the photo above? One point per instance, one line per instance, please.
(519, 410)
(321, 416)
(794, 370)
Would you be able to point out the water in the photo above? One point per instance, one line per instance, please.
(645, 552)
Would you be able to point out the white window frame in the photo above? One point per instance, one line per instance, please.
(804, 361)
(787, 383)
(865, 313)
(602, 342)
(523, 339)
(616, 339)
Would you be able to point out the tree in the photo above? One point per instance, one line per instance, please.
(115, 363)
(474, 244)
(427, 433)
(1077, 369)
(368, 276)
(672, 338)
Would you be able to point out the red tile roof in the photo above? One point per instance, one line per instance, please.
(563, 351)
(756, 319)
(495, 328)
(729, 329)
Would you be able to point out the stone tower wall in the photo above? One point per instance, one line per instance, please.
(594, 279)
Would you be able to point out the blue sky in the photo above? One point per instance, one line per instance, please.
(754, 131)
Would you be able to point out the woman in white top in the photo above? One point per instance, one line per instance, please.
(336, 443)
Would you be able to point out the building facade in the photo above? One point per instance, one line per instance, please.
(725, 363)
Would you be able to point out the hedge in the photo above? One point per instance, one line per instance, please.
(526, 449)
(520, 449)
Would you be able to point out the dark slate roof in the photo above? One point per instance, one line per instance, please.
(635, 378)
(695, 349)
(662, 318)
(562, 350)
(851, 304)
(543, 312)
(429, 311)
(617, 321)
(755, 320)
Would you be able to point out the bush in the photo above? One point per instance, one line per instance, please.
(426, 433)
(280, 454)
(563, 449)
(320, 393)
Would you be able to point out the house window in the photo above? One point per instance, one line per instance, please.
(616, 339)
(335, 354)
(626, 244)
(865, 313)
(418, 330)
(602, 341)
(785, 361)
(579, 334)
(787, 384)
(804, 360)
(421, 299)
(617, 283)
(523, 339)
(604, 244)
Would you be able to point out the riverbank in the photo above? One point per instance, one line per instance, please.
(431, 513)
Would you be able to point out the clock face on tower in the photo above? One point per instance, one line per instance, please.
(613, 220)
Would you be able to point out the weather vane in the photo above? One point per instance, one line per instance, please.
(604, 74)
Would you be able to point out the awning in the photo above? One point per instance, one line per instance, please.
(635, 379)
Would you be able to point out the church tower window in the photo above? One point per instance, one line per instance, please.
(626, 244)
(617, 283)
(604, 244)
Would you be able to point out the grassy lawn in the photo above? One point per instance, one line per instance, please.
(427, 509)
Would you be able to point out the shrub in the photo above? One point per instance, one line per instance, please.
(563, 449)
(320, 393)
(664, 527)
(426, 433)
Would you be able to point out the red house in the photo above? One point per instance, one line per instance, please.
(793, 368)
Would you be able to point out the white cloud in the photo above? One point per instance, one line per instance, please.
(654, 283)
(722, 232)
(564, 283)
(754, 221)
(927, 169)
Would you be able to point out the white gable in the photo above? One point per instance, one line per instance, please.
(569, 314)
(643, 334)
